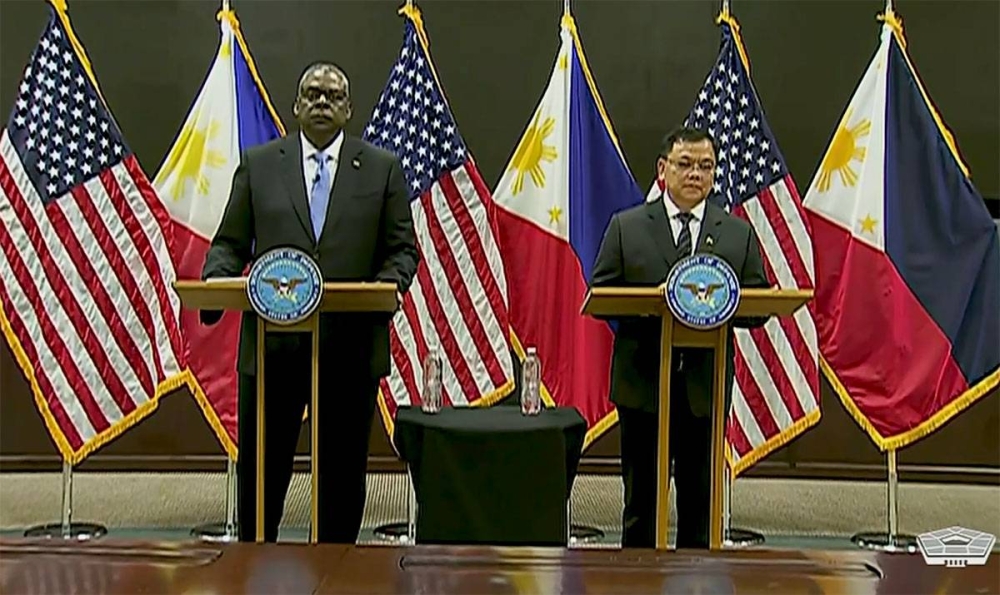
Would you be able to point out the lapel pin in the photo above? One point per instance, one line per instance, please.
(356, 163)
(709, 241)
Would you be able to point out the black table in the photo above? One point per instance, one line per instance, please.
(491, 476)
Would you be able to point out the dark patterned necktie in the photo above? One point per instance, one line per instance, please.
(684, 238)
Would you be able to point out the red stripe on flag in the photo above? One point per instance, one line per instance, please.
(777, 372)
(59, 290)
(807, 363)
(754, 397)
(121, 270)
(77, 317)
(143, 243)
(387, 397)
(450, 266)
(99, 293)
(478, 252)
(449, 345)
(737, 437)
(403, 363)
(795, 337)
(793, 191)
(785, 240)
(55, 406)
(62, 355)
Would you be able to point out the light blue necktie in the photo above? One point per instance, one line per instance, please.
(319, 197)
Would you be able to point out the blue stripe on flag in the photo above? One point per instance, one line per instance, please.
(255, 121)
(938, 231)
(599, 181)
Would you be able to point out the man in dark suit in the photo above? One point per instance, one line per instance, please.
(345, 202)
(640, 246)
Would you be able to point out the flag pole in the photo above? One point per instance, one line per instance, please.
(734, 537)
(403, 532)
(577, 534)
(890, 541)
(226, 531)
(66, 528)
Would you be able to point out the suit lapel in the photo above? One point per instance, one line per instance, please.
(291, 167)
(660, 230)
(711, 227)
(345, 182)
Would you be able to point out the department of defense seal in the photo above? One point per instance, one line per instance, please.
(702, 291)
(284, 286)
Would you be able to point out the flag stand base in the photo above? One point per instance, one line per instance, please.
(732, 537)
(890, 541)
(67, 529)
(883, 542)
(226, 532)
(215, 533)
(738, 538)
(394, 532)
(74, 531)
(579, 534)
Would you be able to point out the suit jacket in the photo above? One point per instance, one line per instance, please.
(367, 236)
(638, 249)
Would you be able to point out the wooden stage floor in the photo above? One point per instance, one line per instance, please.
(29, 567)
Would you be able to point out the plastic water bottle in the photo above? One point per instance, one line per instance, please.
(430, 400)
(531, 384)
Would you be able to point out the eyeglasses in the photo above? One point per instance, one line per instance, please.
(332, 96)
(705, 167)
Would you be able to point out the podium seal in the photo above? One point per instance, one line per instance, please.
(702, 291)
(284, 286)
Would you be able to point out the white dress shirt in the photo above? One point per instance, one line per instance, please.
(310, 169)
(694, 225)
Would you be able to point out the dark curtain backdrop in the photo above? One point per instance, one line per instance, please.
(494, 57)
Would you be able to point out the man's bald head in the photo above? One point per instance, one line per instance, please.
(319, 67)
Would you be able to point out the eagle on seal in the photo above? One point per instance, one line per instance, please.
(285, 287)
(703, 291)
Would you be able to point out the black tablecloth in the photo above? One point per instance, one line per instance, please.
(491, 475)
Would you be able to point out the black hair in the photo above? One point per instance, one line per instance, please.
(684, 134)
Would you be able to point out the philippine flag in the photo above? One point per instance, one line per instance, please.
(231, 114)
(907, 259)
(565, 180)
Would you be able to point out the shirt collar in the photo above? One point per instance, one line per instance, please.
(698, 212)
(333, 151)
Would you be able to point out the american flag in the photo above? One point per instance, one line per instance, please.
(458, 300)
(85, 270)
(776, 389)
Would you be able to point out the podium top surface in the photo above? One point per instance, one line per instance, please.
(231, 294)
(649, 301)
